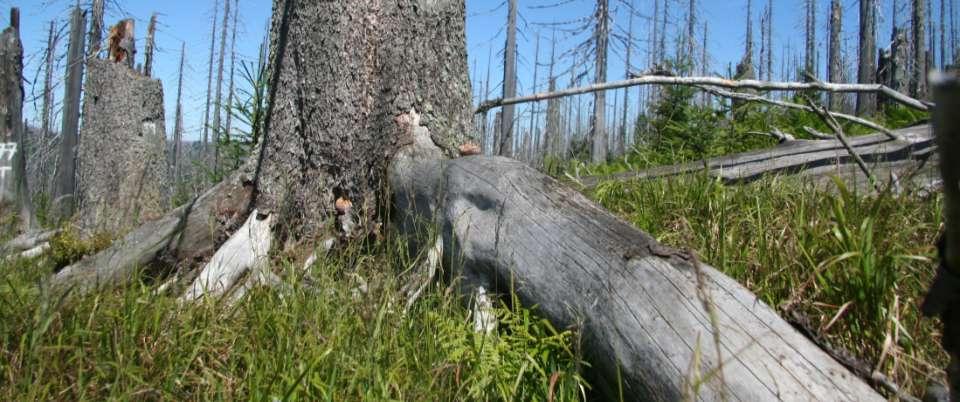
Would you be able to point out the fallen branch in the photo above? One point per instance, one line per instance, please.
(780, 136)
(711, 81)
(791, 105)
(835, 126)
(818, 135)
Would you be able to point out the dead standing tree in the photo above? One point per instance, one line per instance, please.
(867, 56)
(504, 145)
(835, 68)
(601, 35)
(70, 129)
(12, 129)
(644, 311)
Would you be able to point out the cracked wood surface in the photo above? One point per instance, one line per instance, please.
(634, 301)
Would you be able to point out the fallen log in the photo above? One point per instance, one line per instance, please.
(245, 252)
(186, 234)
(654, 322)
(793, 157)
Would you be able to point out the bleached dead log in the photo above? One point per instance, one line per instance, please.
(28, 241)
(778, 135)
(838, 131)
(711, 81)
(186, 234)
(244, 253)
(796, 157)
(635, 303)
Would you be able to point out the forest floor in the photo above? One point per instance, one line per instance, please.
(853, 266)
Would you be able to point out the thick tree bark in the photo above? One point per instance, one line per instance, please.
(652, 320)
(598, 129)
(385, 68)
(12, 129)
(867, 56)
(505, 143)
(70, 130)
(122, 158)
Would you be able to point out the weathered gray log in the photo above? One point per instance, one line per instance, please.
(245, 252)
(182, 236)
(792, 157)
(641, 308)
(122, 162)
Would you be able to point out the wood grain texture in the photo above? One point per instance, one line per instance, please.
(635, 302)
(795, 157)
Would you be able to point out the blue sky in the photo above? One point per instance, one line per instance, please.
(188, 21)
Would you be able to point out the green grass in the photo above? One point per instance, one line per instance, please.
(345, 337)
(818, 250)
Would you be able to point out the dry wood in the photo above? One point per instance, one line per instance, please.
(633, 301)
(838, 131)
(792, 157)
(148, 52)
(246, 252)
(121, 44)
(711, 81)
(790, 105)
(70, 129)
(181, 236)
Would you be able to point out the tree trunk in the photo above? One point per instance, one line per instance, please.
(206, 114)
(12, 129)
(46, 118)
(533, 108)
(918, 81)
(217, 103)
(622, 135)
(178, 119)
(810, 38)
(96, 28)
(835, 68)
(598, 130)
(228, 107)
(122, 159)
(505, 145)
(69, 132)
(398, 65)
(148, 48)
(867, 56)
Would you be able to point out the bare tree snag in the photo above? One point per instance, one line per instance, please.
(70, 129)
(213, 41)
(12, 129)
(228, 107)
(148, 50)
(46, 118)
(835, 68)
(867, 56)
(120, 42)
(178, 118)
(122, 159)
(918, 80)
(96, 29)
(217, 103)
(601, 35)
(637, 305)
(504, 145)
(810, 38)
